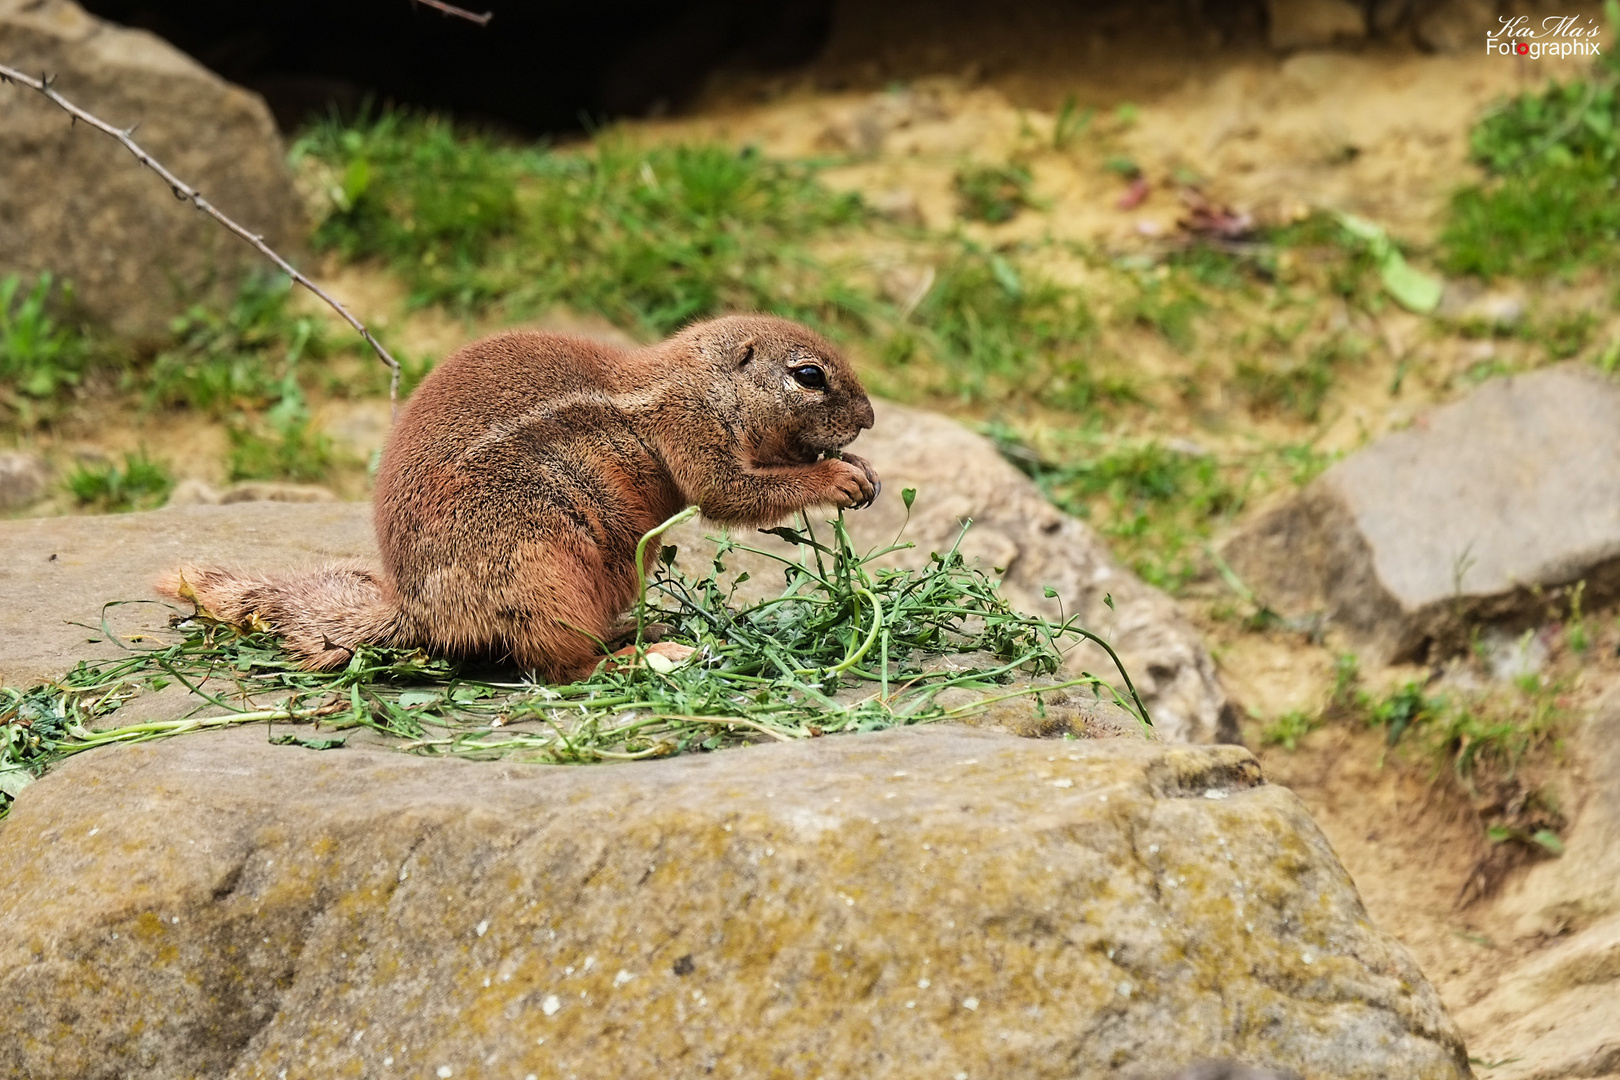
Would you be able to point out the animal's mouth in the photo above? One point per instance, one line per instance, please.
(794, 450)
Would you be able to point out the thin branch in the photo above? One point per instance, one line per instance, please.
(186, 193)
(460, 13)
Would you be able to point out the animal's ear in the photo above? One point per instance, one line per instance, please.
(745, 352)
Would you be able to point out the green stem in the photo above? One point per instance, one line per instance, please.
(641, 569)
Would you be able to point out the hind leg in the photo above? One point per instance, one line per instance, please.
(569, 613)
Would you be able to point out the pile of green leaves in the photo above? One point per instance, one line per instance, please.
(651, 237)
(846, 646)
(1551, 203)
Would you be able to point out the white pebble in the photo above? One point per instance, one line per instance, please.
(551, 1004)
(445, 1072)
(482, 928)
(922, 984)
(622, 977)
(1214, 794)
(970, 1003)
(1063, 783)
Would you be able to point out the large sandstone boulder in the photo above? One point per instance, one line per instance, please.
(60, 571)
(1477, 512)
(74, 202)
(918, 903)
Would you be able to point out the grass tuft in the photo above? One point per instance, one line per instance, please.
(140, 483)
(220, 363)
(993, 193)
(38, 357)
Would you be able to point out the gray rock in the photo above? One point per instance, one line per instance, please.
(197, 493)
(74, 202)
(959, 476)
(1471, 515)
(915, 903)
(1314, 24)
(1230, 1070)
(24, 479)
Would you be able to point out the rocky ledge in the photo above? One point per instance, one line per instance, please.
(924, 902)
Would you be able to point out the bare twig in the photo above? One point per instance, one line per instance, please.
(187, 193)
(460, 13)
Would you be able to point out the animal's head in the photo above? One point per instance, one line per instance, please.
(799, 398)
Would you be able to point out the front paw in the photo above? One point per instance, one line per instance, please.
(871, 478)
(851, 482)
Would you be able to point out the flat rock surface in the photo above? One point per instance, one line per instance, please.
(916, 903)
(74, 202)
(1470, 514)
(58, 573)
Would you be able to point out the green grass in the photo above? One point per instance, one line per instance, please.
(1167, 307)
(240, 359)
(1551, 200)
(845, 647)
(139, 483)
(1298, 381)
(1288, 729)
(997, 332)
(39, 358)
(993, 193)
(1553, 219)
(1157, 505)
(651, 237)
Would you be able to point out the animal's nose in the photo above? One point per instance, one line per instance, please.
(865, 418)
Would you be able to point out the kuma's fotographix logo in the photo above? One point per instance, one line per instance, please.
(1557, 35)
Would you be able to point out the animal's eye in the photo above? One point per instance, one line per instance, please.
(810, 377)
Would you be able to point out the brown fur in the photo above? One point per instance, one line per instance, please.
(527, 466)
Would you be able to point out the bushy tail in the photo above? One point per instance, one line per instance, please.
(322, 615)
